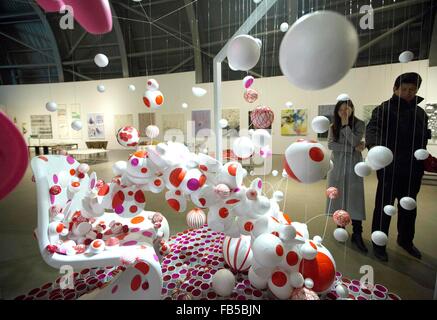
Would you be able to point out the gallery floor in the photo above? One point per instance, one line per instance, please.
(22, 268)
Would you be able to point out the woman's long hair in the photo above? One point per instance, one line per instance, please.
(336, 124)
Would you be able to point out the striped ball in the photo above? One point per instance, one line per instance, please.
(237, 253)
(196, 218)
(152, 131)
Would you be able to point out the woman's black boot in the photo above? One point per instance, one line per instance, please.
(359, 243)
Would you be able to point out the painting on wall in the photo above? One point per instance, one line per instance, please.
(173, 121)
(233, 118)
(41, 126)
(294, 122)
(75, 115)
(123, 120)
(202, 120)
(63, 127)
(144, 120)
(326, 110)
(96, 126)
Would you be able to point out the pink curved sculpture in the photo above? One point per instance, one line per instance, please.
(13, 161)
(94, 16)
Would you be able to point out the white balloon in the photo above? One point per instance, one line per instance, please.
(152, 131)
(318, 50)
(51, 106)
(223, 123)
(429, 109)
(297, 280)
(379, 238)
(101, 60)
(284, 174)
(223, 282)
(278, 196)
(421, 154)
(264, 250)
(119, 167)
(307, 251)
(342, 291)
(390, 210)
(343, 97)
(283, 27)
(362, 169)
(252, 173)
(309, 283)
(101, 88)
(406, 56)
(320, 124)
(289, 104)
(408, 203)
(379, 157)
(76, 125)
(243, 52)
(243, 147)
(275, 173)
(184, 105)
(261, 138)
(317, 239)
(131, 87)
(257, 281)
(341, 235)
(198, 92)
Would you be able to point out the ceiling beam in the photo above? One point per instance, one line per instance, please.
(121, 46)
(77, 74)
(17, 15)
(28, 66)
(25, 44)
(74, 46)
(180, 64)
(194, 27)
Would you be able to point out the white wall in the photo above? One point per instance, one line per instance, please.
(368, 85)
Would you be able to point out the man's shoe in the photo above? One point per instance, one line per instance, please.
(411, 249)
(380, 253)
(357, 239)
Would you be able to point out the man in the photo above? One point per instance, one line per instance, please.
(402, 126)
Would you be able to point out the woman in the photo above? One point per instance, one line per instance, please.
(344, 139)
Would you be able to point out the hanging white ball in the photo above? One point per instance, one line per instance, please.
(408, 203)
(243, 147)
(317, 239)
(51, 106)
(342, 291)
(406, 56)
(283, 27)
(362, 169)
(223, 282)
(198, 92)
(421, 154)
(318, 50)
(429, 109)
(379, 157)
(261, 138)
(223, 123)
(284, 174)
(101, 88)
(379, 238)
(320, 124)
(341, 235)
(152, 85)
(243, 52)
(252, 173)
(343, 97)
(289, 104)
(152, 131)
(101, 60)
(278, 196)
(259, 42)
(131, 88)
(309, 283)
(184, 105)
(275, 173)
(76, 125)
(297, 280)
(389, 210)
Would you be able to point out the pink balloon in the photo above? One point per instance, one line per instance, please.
(341, 218)
(94, 16)
(332, 193)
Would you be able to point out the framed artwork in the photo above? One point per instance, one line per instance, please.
(63, 127)
(326, 110)
(202, 120)
(96, 126)
(233, 118)
(122, 120)
(294, 122)
(144, 120)
(173, 121)
(41, 126)
(251, 126)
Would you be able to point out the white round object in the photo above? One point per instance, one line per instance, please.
(343, 97)
(379, 157)
(223, 123)
(101, 60)
(198, 92)
(237, 253)
(267, 250)
(275, 173)
(284, 173)
(248, 81)
(243, 52)
(297, 280)
(342, 291)
(408, 203)
(223, 282)
(51, 106)
(421, 154)
(101, 88)
(128, 136)
(406, 56)
(252, 173)
(309, 283)
(256, 280)
(320, 124)
(289, 104)
(153, 99)
(390, 210)
(184, 105)
(307, 251)
(97, 246)
(317, 239)
(76, 125)
(379, 238)
(278, 196)
(119, 167)
(283, 27)
(243, 147)
(318, 50)
(341, 235)
(429, 109)
(261, 138)
(196, 218)
(362, 169)
(152, 131)
(83, 168)
(152, 85)
(259, 42)
(131, 88)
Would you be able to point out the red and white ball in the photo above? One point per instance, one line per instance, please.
(128, 136)
(341, 218)
(262, 117)
(196, 218)
(153, 99)
(250, 95)
(237, 253)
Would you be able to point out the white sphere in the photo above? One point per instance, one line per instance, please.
(252, 173)
(362, 169)
(152, 131)
(389, 210)
(256, 280)
(198, 92)
(275, 173)
(320, 124)
(243, 147)
(152, 85)
(131, 87)
(278, 196)
(101, 60)
(379, 157)
(318, 50)
(243, 52)
(379, 238)
(259, 42)
(101, 88)
(342, 291)
(223, 282)
(343, 97)
(264, 250)
(429, 109)
(51, 106)
(284, 174)
(309, 283)
(421, 154)
(248, 81)
(184, 105)
(76, 125)
(261, 138)
(289, 104)
(283, 27)
(341, 235)
(119, 167)
(408, 203)
(223, 123)
(406, 56)
(317, 239)
(297, 280)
